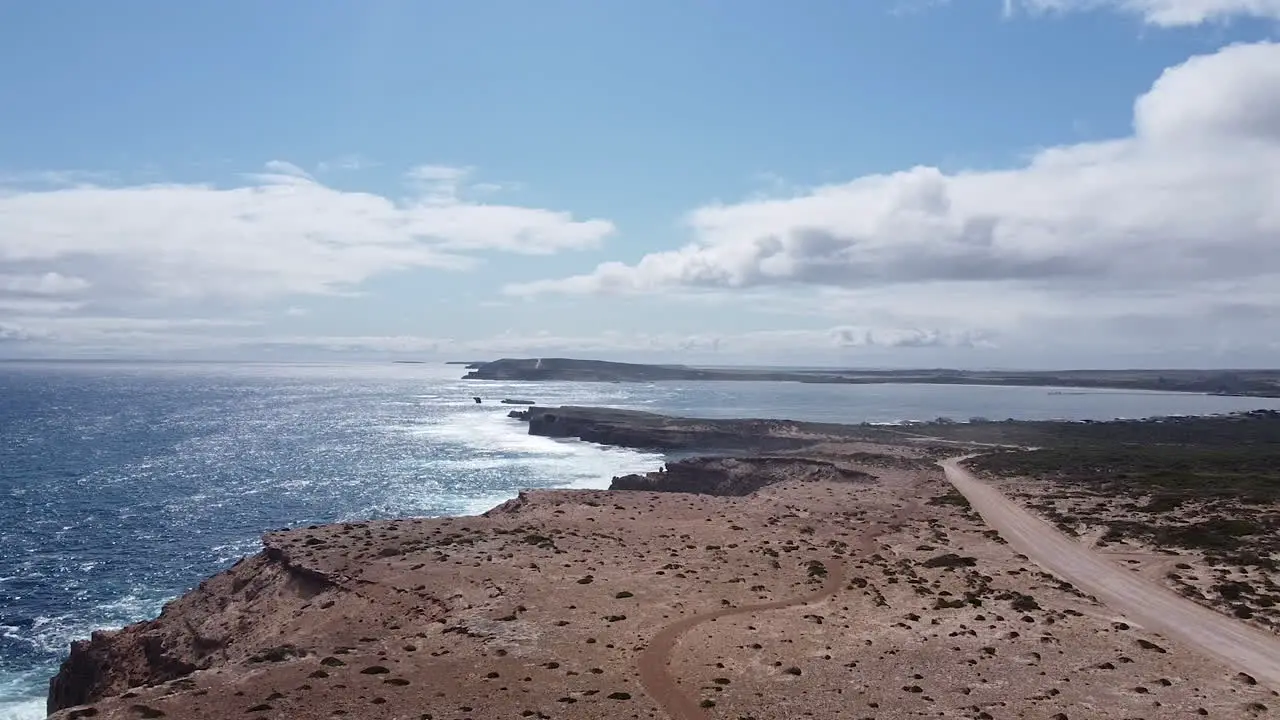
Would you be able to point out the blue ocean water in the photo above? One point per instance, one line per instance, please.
(122, 485)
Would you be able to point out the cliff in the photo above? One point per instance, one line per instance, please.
(543, 605)
(242, 616)
(799, 582)
(650, 431)
(319, 601)
(738, 476)
(586, 371)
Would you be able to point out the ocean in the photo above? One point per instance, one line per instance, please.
(122, 485)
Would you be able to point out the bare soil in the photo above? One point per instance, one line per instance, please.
(878, 598)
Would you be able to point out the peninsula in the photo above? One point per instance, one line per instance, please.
(1254, 383)
(776, 570)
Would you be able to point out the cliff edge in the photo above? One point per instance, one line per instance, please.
(250, 615)
(738, 476)
(824, 593)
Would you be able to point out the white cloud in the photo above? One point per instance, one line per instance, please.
(1163, 13)
(50, 283)
(846, 336)
(349, 162)
(1165, 219)
(739, 345)
(60, 335)
(439, 184)
(164, 336)
(282, 167)
(13, 332)
(279, 233)
(438, 173)
(36, 306)
(1122, 339)
(56, 178)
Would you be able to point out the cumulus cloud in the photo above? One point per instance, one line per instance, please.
(1163, 13)
(1191, 197)
(279, 232)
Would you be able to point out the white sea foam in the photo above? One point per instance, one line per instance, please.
(487, 444)
(22, 695)
(498, 441)
(445, 455)
(54, 633)
(21, 708)
(231, 552)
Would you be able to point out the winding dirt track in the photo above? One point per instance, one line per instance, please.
(655, 673)
(1143, 600)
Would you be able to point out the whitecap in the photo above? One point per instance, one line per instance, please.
(31, 707)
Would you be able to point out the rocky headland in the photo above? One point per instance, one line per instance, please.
(799, 570)
(1255, 383)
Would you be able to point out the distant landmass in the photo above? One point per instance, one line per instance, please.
(1252, 383)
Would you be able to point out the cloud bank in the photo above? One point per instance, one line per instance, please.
(205, 338)
(278, 233)
(1165, 239)
(1187, 205)
(1162, 13)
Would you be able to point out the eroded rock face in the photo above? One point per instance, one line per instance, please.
(110, 662)
(232, 617)
(634, 429)
(146, 653)
(736, 476)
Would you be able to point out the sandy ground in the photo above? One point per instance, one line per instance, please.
(818, 599)
(1247, 592)
(1213, 634)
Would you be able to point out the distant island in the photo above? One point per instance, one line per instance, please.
(1251, 383)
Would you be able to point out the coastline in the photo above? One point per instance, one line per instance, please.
(368, 591)
(1226, 382)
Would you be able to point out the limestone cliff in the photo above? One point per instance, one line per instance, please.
(237, 617)
(737, 476)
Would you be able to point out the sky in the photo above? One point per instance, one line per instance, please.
(886, 183)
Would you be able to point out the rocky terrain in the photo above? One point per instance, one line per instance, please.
(650, 431)
(839, 577)
(1222, 553)
(1191, 502)
(739, 476)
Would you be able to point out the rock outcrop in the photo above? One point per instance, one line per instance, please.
(160, 650)
(234, 618)
(737, 476)
(641, 430)
(584, 371)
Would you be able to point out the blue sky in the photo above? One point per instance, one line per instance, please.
(886, 183)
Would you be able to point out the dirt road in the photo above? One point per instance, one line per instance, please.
(655, 662)
(1144, 601)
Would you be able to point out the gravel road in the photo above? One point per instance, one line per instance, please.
(1144, 602)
